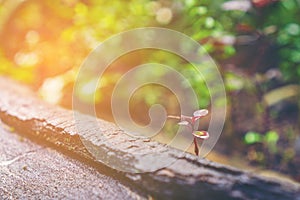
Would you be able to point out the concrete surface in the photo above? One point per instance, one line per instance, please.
(30, 171)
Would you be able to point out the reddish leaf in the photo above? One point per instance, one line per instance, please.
(201, 134)
(262, 3)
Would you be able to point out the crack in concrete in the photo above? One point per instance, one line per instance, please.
(9, 162)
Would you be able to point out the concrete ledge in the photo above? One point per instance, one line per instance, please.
(189, 177)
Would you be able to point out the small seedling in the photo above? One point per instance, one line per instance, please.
(190, 122)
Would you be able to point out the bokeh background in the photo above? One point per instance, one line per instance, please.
(256, 44)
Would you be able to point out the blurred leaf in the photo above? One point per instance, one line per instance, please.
(252, 137)
(279, 94)
(233, 82)
(293, 29)
(271, 137)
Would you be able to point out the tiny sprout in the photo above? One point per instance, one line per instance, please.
(190, 122)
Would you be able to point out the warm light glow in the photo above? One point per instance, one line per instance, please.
(164, 15)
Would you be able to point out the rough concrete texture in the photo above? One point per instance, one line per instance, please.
(31, 171)
(188, 177)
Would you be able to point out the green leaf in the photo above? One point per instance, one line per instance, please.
(252, 137)
(293, 29)
(271, 137)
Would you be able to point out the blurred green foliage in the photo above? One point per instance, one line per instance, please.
(270, 138)
(280, 23)
(206, 22)
(288, 39)
(40, 39)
